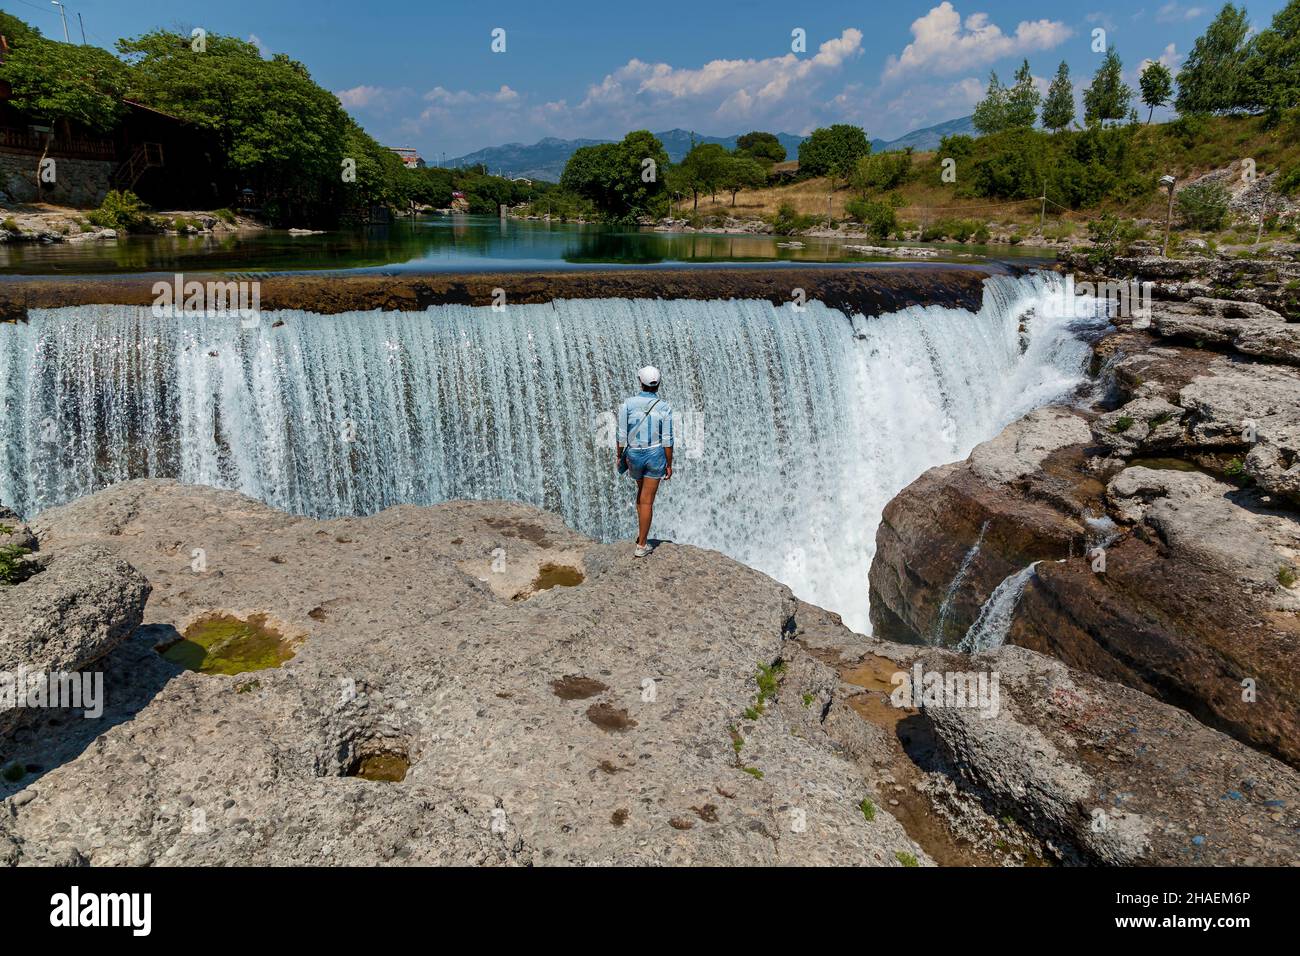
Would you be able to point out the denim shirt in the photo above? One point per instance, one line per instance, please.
(655, 431)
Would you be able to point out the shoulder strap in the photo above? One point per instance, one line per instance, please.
(631, 431)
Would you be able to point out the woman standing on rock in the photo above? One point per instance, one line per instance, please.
(645, 448)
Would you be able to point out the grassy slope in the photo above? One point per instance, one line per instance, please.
(1226, 140)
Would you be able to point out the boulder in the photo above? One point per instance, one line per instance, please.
(1113, 776)
(79, 606)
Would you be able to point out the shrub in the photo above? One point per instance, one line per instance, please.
(120, 210)
(958, 230)
(956, 146)
(1204, 206)
(225, 215)
(880, 172)
(879, 218)
(1110, 237)
(1188, 130)
(13, 569)
(1286, 576)
(10, 223)
(788, 220)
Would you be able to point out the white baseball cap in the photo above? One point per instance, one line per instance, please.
(648, 375)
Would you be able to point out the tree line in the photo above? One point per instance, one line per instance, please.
(273, 129)
(1228, 71)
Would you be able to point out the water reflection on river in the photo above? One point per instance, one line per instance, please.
(451, 243)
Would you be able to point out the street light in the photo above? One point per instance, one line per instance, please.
(64, 14)
(1168, 181)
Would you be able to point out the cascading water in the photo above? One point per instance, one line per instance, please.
(796, 431)
(945, 606)
(989, 631)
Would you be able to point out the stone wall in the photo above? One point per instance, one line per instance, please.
(78, 182)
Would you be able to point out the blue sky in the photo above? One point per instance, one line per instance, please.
(423, 74)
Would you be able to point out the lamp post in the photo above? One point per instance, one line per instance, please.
(64, 14)
(1168, 182)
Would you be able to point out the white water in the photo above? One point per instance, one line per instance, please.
(797, 431)
(989, 631)
(958, 579)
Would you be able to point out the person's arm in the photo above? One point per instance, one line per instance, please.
(621, 439)
(666, 436)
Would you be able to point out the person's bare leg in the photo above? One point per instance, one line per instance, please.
(645, 507)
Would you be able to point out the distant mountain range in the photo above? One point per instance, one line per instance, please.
(545, 159)
(926, 139)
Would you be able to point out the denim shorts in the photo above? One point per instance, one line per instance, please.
(647, 462)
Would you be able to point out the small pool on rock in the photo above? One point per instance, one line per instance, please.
(225, 644)
(556, 576)
(389, 766)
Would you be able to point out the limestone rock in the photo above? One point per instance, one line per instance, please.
(80, 605)
(1115, 775)
(615, 720)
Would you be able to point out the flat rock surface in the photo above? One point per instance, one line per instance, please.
(603, 722)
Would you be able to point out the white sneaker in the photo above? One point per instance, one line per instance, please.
(641, 551)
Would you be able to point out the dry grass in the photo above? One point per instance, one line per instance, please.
(923, 202)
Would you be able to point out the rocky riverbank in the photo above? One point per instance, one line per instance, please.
(465, 684)
(1151, 538)
(41, 222)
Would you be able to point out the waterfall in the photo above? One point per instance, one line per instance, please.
(989, 631)
(795, 431)
(945, 606)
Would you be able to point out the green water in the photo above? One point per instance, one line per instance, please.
(223, 644)
(442, 243)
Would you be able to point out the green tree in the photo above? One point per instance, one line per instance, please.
(702, 170)
(880, 172)
(1108, 97)
(1058, 109)
(1208, 81)
(58, 84)
(742, 172)
(1022, 100)
(277, 129)
(1204, 206)
(991, 112)
(1270, 80)
(625, 180)
(833, 151)
(764, 147)
(1157, 85)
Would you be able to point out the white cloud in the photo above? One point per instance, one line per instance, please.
(373, 98)
(1170, 58)
(262, 48)
(740, 87)
(1173, 12)
(944, 43)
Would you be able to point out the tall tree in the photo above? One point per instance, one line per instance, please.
(1270, 80)
(702, 170)
(277, 128)
(991, 112)
(618, 178)
(1058, 109)
(742, 172)
(1157, 85)
(1022, 100)
(1208, 81)
(764, 147)
(59, 84)
(1108, 96)
(833, 151)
